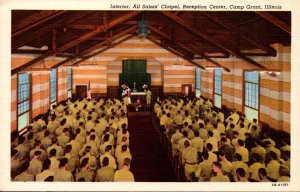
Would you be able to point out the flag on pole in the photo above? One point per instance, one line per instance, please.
(88, 95)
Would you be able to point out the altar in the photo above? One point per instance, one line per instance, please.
(138, 95)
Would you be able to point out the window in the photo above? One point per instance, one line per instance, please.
(53, 87)
(70, 82)
(251, 98)
(218, 88)
(23, 100)
(198, 82)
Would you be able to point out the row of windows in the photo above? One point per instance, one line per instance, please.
(24, 100)
(251, 91)
(198, 82)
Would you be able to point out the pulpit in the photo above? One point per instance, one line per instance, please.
(138, 95)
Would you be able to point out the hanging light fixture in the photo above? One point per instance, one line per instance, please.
(142, 28)
(269, 65)
(177, 61)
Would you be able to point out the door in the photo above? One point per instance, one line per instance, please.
(81, 91)
(186, 89)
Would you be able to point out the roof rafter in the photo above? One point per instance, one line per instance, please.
(77, 41)
(186, 48)
(28, 37)
(151, 38)
(104, 49)
(276, 21)
(56, 14)
(203, 35)
(97, 46)
(248, 37)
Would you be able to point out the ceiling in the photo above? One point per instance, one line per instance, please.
(190, 35)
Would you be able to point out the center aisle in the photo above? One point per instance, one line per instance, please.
(149, 162)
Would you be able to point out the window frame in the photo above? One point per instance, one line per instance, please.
(71, 80)
(196, 88)
(244, 94)
(214, 86)
(29, 111)
(56, 91)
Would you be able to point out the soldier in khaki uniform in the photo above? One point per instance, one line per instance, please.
(254, 167)
(84, 174)
(36, 165)
(203, 171)
(24, 175)
(62, 174)
(108, 154)
(189, 160)
(273, 167)
(46, 172)
(258, 149)
(238, 163)
(59, 149)
(22, 150)
(217, 169)
(241, 175)
(92, 159)
(148, 97)
(105, 173)
(73, 160)
(15, 163)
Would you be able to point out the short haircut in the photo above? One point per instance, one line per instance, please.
(217, 164)
(185, 134)
(84, 162)
(232, 125)
(273, 155)
(262, 171)
(108, 148)
(126, 161)
(205, 155)
(63, 161)
(49, 178)
(37, 153)
(209, 146)
(68, 148)
(124, 147)
(53, 152)
(241, 172)
(240, 142)
(46, 164)
(105, 161)
(238, 157)
(186, 143)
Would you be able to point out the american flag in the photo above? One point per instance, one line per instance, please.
(89, 91)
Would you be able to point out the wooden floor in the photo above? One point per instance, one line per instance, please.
(149, 161)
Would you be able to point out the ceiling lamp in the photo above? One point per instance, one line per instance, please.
(142, 30)
(271, 68)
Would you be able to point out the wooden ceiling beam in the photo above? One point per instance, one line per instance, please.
(97, 46)
(162, 34)
(104, 49)
(248, 37)
(36, 51)
(92, 27)
(28, 37)
(30, 19)
(56, 14)
(275, 21)
(116, 36)
(76, 41)
(208, 38)
(151, 38)
(63, 62)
